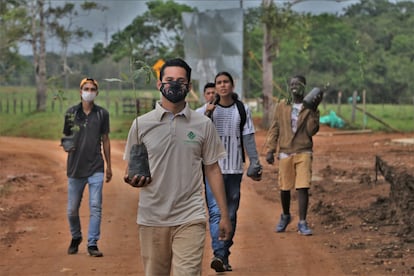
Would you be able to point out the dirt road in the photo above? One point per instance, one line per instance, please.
(34, 233)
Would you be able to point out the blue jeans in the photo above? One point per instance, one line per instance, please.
(221, 249)
(76, 186)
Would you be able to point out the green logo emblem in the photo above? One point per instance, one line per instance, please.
(191, 135)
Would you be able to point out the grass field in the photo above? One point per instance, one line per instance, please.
(378, 117)
(19, 118)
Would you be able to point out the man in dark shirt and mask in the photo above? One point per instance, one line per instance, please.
(87, 126)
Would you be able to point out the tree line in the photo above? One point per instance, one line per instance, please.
(368, 47)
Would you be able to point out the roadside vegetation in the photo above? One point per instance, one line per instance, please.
(20, 121)
(368, 48)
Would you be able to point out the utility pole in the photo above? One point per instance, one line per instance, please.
(268, 44)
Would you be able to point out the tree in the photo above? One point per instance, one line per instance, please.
(323, 47)
(334, 55)
(269, 48)
(63, 26)
(158, 32)
(385, 34)
(37, 39)
(13, 22)
(277, 23)
(252, 37)
(34, 26)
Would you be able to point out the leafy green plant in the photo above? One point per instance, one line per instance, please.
(138, 162)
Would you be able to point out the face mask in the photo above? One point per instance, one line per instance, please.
(175, 92)
(88, 96)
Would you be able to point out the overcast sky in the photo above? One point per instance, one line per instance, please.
(120, 13)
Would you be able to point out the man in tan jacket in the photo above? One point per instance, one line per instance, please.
(291, 133)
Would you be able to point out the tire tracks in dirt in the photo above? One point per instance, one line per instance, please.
(42, 250)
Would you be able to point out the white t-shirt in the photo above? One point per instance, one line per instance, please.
(227, 122)
(202, 109)
(296, 108)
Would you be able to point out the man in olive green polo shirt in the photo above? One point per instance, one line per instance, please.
(171, 211)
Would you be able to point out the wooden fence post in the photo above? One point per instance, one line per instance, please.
(107, 99)
(339, 102)
(354, 100)
(364, 109)
(137, 106)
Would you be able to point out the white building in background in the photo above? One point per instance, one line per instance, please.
(213, 42)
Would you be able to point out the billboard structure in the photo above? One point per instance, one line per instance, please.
(213, 42)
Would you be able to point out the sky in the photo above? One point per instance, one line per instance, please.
(120, 13)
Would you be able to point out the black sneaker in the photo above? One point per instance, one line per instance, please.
(94, 251)
(228, 267)
(74, 246)
(217, 264)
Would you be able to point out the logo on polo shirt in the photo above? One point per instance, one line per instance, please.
(191, 136)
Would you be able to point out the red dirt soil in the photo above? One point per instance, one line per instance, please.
(353, 234)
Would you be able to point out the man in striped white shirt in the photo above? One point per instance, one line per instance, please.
(235, 127)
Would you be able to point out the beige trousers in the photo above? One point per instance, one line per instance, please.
(177, 248)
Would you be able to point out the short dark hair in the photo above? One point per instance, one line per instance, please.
(301, 78)
(176, 62)
(209, 85)
(224, 73)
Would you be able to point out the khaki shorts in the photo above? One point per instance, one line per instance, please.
(295, 171)
(177, 248)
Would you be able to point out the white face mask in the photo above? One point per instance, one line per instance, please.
(88, 96)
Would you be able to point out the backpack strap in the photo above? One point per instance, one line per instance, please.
(100, 114)
(243, 118)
